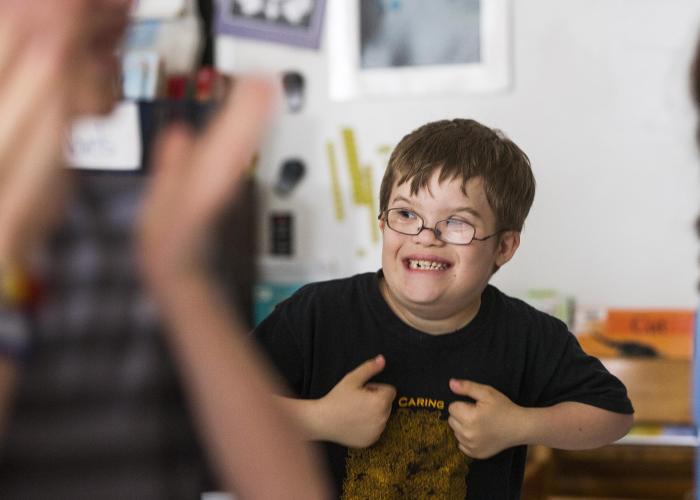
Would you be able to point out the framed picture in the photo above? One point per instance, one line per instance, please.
(416, 47)
(292, 22)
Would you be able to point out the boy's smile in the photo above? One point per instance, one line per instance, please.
(432, 285)
(427, 263)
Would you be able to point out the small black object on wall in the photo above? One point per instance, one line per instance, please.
(294, 90)
(282, 234)
(290, 174)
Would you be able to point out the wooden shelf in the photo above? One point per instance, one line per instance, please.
(660, 389)
(640, 472)
(657, 467)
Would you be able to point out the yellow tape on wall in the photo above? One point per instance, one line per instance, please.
(368, 189)
(335, 182)
(361, 182)
(353, 165)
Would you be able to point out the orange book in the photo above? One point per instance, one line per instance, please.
(668, 332)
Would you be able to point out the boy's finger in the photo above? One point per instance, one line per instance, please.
(361, 375)
(460, 411)
(385, 390)
(459, 431)
(469, 388)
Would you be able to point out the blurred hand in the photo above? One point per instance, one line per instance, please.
(487, 426)
(194, 180)
(38, 55)
(356, 411)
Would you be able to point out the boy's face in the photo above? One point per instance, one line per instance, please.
(448, 290)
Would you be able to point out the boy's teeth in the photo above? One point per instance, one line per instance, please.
(426, 265)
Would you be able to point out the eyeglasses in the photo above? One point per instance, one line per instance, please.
(453, 231)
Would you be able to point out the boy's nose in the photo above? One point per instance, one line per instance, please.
(427, 236)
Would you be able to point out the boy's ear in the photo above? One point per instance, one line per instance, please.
(381, 225)
(508, 243)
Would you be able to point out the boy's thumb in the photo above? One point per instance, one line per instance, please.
(467, 388)
(361, 375)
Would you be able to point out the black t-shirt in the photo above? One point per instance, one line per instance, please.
(327, 329)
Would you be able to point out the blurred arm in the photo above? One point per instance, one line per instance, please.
(258, 450)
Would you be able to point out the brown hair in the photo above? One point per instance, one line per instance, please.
(465, 149)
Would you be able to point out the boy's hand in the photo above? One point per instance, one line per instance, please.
(355, 410)
(487, 426)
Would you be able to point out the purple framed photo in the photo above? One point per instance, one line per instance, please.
(291, 22)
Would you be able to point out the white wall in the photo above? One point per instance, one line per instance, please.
(599, 102)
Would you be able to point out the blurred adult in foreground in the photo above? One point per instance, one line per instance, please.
(58, 62)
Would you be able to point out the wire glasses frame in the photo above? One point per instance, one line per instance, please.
(452, 231)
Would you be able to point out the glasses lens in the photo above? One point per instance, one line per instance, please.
(455, 231)
(404, 221)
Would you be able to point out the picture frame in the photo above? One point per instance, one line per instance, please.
(291, 22)
(385, 64)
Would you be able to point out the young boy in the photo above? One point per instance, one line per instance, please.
(424, 380)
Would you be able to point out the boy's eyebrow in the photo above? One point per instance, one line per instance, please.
(401, 198)
(470, 210)
(475, 213)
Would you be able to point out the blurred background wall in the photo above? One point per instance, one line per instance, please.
(599, 101)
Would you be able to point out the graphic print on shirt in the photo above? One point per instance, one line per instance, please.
(416, 457)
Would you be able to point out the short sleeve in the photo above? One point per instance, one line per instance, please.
(576, 376)
(278, 341)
